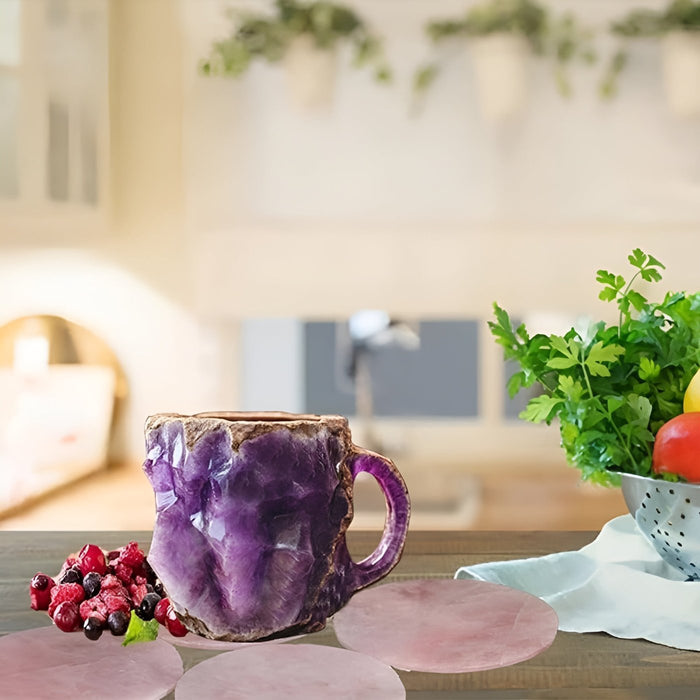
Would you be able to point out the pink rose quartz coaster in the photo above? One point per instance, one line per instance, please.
(194, 641)
(446, 626)
(308, 671)
(47, 663)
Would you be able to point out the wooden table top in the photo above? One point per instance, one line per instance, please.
(575, 666)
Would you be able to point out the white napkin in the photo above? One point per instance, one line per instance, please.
(617, 584)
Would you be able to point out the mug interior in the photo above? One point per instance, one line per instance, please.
(259, 416)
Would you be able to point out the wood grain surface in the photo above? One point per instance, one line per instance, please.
(575, 666)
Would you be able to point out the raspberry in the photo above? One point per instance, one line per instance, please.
(92, 558)
(40, 591)
(113, 587)
(138, 591)
(66, 616)
(94, 607)
(131, 555)
(66, 592)
(112, 557)
(123, 572)
(110, 581)
(113, 603)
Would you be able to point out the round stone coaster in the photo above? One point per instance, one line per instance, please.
(194, 641)
(47, 663)
(308, 671)
(446, 626)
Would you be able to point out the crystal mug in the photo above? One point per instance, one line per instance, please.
(251, 515)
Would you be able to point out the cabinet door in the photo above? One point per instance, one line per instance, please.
(53, 115)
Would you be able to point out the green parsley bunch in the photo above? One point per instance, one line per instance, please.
(610, 387)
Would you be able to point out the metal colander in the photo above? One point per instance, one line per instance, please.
(668, 514)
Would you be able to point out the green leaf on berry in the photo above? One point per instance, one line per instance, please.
(140, 630)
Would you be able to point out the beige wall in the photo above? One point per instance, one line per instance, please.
(131, 283)
(146, 143)
(180, 263)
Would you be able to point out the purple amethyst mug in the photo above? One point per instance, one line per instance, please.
(251, 515)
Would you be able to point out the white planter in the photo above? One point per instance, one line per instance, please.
(502, 70)
(681, 72)
(311, 73)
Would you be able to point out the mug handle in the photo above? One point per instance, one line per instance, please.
(390, 547)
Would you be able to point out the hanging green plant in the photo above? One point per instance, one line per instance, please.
(678, 16)
(559, 38)
(268, 38)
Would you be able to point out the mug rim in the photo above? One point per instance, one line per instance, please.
(254, 416)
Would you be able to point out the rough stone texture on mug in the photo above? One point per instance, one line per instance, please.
(249, 533)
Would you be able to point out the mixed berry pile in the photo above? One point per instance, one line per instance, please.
(97, 590)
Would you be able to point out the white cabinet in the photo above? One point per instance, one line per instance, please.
(54, 161)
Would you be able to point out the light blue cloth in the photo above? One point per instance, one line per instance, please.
(617, 584)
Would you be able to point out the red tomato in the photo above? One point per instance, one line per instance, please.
(677, 447)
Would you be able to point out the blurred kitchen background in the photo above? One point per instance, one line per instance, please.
(171, 241)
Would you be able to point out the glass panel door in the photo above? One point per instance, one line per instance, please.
(10, 55)
(9, 110)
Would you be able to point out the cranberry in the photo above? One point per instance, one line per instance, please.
(173, 623)
(66, 616)
(161, 610)
(92, 558)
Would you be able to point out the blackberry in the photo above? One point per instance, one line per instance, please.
(148, 605)
(92, 584)
(118, 621)
(148, 572)
(72, 575)
(92, 627)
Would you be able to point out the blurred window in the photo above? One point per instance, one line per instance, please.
(10, 53)
(10, 34)
(307, 366)
(53, 105)
(438, 379)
